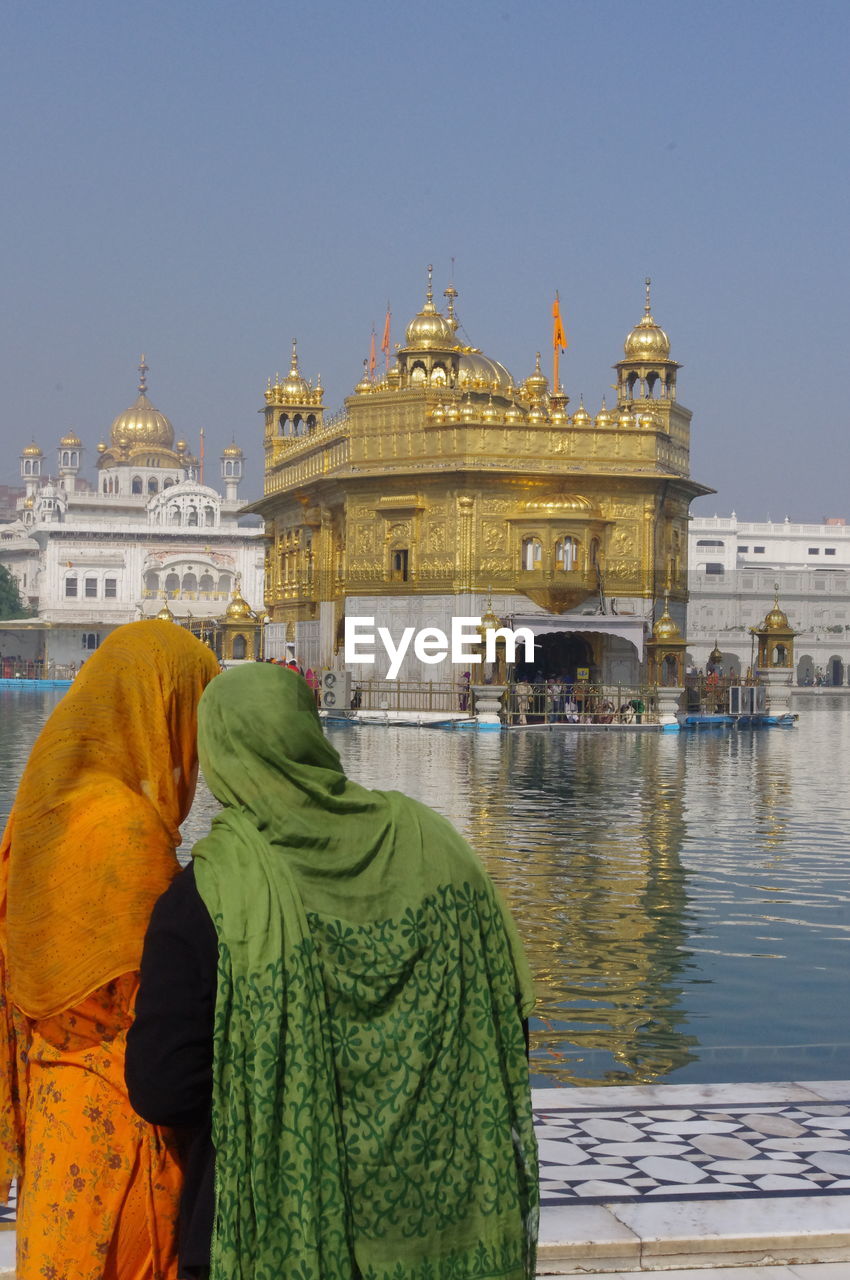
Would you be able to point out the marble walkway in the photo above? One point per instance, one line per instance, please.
(746, 1182)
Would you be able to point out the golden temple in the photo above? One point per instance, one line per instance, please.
(443, 483)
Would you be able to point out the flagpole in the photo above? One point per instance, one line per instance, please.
(556, 351)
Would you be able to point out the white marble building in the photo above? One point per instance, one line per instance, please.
(736, 568)
(89, 557)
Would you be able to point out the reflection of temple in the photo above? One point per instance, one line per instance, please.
(444, 481)
(90, 556)
(602, 899)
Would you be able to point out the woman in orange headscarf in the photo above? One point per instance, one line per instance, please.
(88, 849)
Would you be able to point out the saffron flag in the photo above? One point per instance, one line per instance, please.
(559, 338)
(385, 341)
(372, 361)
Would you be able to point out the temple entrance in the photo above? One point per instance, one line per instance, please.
(558, 653)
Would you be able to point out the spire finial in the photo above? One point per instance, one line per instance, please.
(537, 368)
(451, 294)
(294, 368)
(143, 375)
(430, 293)
(647, 308)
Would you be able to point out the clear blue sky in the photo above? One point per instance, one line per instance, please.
(204, 181)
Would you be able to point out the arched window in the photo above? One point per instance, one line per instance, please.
(192, 515)
(240, 648)
(532, 554)
(206, 584)
(105, 485)
(152, 582)
(153, 485)
(209, 516)
(66, 457)
(167, 482)
(417, 374)
(438, 376)
(224, 584)
(228, 468)
(174, 514)
(136, 486)
(298, 425)
(399, 558)
(284, 425)
(90, 640)
(172, 584)
(594, 551)
(71, 587)
(311, 426)
(566, 553)
(189, 583)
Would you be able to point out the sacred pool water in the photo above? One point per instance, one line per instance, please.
(683, 898)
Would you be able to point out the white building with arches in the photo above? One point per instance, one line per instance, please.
(737, 568)
(91, 555)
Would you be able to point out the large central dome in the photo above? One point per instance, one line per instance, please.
(142, 423)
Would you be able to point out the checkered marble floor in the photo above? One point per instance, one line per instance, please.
(749, 1147)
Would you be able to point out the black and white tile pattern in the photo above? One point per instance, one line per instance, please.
(600, 1155)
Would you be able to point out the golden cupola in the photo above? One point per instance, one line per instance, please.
(429, 330)
(70, 441)
(142, 424)
(646, 371)
(31, 451)
(665, 628)
(238, 608)
(647, 341)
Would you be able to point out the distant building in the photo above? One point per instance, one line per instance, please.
(91, 557)
(736, 568)
(10, 495)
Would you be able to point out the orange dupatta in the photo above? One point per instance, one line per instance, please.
(90, 842)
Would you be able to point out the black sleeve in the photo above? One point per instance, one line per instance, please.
(170, 1044)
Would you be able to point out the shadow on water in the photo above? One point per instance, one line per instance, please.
(683, 898)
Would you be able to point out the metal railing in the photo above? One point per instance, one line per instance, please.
(525, 703)
(34, 669)
(409, 695)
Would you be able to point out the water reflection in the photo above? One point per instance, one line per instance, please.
(683, 899)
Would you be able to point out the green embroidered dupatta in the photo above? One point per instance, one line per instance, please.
(371, 1108)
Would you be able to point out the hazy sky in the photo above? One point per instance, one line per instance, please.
(205, 181)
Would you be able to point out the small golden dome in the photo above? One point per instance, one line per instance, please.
(32, 451)
(665, 628)
(625, 419)
(181, 446)
(70, 441)
(488, 413)
(165, 614)
(232, 451)
(438, 413)
(581, 417)
(238, 609)
(776, 620)
(468, 411)
(716, 656)
(429, 330)
(537, 384)
(647, 341)
(535, 413)
(513, 414)
(364, 386)
(142, 423)
(604, 418)
(294, 389)
(102, 447)
(29, 503)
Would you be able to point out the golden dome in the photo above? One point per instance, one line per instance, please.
(142, 423)
(776, 620)
(429, 330)
(70, 441)
(29, 503)
(294, 389)
(665, 628)
(581, 417)
(625, 419)
(232, 451)
(716, 655)
(647, 341)
(537, 384)
(181, 446)
(32, 451)
(604, 418)
(238, 609)
(165, 614)
(476, 369)
(102, 447)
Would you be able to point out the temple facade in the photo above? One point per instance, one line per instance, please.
(91, 555)
(445, 486)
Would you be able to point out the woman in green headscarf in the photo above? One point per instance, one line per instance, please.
(371, 1114)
